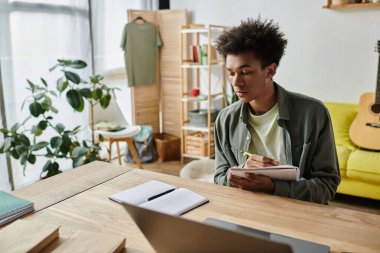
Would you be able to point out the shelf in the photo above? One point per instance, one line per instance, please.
(203, 29)
(196, 156)
(200, 66)
(197, 128)
(200, 98)
(353, 5)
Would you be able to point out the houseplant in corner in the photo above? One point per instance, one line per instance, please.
(25, 141)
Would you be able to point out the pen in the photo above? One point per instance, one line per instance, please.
(159, 195)
(246, 153)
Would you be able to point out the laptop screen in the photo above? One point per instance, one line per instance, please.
(168, 233)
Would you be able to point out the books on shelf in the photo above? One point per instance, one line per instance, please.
(280, 172)
(161, 197)
(12, 207)
(199, 54)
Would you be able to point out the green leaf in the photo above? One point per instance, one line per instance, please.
(52, 170)
(32, 86)
(62, 84)
(49, 153)
(77, 64)
(36, 130)
(76, 130)
(35, 109)
(66, 140)
(43, 124)
(46, 166)
(39, 96)
(39, 145)
(14, 154)
(60, 127)
(101, 138)
(80, 151)
(73, 77)
(97, 93)
(47, 100)
(79, 161)
(15, 127)
(105, 101)
(32, 159)
(56, 142)
(74, 98)
(7, 144)
(64, 62)
(86, 92)
(54, 67)
(53, 109)
(53, 93)
(4, 130)
(24, 140)
(24, 158)
(44, 82)
(20, 149)
(81, 107)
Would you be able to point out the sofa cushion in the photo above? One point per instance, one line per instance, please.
(343, 154)
(341, 117)
(364, 165)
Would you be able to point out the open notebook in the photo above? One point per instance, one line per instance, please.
(161, 197)
(280, 172)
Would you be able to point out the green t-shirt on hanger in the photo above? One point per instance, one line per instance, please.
(140, 43)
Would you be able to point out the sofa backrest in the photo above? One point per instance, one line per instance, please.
(342, 115)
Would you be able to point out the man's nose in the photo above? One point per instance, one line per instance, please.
(236, 80)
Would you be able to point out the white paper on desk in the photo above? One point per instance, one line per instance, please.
(176, 202)
(280, 172)
(140, 194)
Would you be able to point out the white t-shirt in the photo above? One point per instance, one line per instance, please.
(267, 135)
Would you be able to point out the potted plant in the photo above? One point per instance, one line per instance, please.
(25, 143)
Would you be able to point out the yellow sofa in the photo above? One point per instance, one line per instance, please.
(359, 168)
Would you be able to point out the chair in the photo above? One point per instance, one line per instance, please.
(122, 135)
(200, 170)
(113, 114)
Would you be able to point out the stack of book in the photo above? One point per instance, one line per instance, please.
(12, 207)
(38, 236)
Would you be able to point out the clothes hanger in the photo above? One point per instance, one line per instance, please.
(139, 18)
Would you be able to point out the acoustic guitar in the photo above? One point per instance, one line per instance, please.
(365, 129)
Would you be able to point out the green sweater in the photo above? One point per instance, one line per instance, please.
(308, 142)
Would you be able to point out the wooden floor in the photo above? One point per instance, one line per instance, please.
(344, 201)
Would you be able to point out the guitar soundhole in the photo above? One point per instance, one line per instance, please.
(375, 108)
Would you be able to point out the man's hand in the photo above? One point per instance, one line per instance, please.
(255, 161)
(252, 182)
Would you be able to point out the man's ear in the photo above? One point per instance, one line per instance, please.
(271, 70)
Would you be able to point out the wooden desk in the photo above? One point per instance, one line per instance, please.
(90, 209)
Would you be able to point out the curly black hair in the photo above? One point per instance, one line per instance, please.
(262, 38)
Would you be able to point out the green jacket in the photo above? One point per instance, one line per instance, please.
(308, 142)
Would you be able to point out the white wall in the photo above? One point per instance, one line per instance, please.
(330, 53)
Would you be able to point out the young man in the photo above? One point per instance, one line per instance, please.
(275, 125)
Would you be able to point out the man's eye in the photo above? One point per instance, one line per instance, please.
(231, 74)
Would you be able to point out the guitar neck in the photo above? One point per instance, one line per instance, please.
(377, 98)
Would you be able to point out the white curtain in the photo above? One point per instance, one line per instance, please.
(34, 34)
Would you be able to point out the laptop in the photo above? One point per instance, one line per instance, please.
(297, 245)
(175, 234)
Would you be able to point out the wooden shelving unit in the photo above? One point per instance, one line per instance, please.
(350, 5)
(190, 78)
